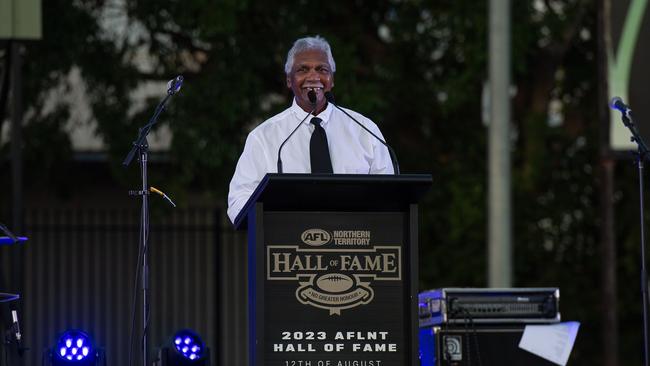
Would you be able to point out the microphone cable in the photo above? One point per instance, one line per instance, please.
(468, 316)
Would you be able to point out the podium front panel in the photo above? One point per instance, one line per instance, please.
(336, 289)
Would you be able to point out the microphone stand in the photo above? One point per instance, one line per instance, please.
(141, 147)
(11, 235)
(640, 156)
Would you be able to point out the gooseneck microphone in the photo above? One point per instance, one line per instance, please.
(393, 158)
(312, 99)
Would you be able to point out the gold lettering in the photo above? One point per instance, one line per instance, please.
(345, 261)
(373, 263)
(284, 263)
(385, 262)
(319, 263)
(356, 264)
(389, 262)
(297, 265)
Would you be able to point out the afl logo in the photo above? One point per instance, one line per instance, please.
(315, 237)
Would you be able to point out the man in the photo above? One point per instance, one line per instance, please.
(325, 142)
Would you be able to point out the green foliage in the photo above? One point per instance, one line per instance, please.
(416, 67)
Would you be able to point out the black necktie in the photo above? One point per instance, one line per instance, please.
(319, 153)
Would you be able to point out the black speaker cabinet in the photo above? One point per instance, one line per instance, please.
(494, 345)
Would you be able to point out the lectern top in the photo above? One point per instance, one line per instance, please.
(331, 192)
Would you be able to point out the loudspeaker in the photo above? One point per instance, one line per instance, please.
(464, 346)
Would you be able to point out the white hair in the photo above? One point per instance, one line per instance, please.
(309, 43)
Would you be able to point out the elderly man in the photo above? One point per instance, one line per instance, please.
(326, 141)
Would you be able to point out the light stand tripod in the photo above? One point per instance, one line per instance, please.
(141, 147)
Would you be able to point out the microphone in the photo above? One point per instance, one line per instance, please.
(330, 98)
(312, 99)
(617, 103)
(16, 331)
(174, 85)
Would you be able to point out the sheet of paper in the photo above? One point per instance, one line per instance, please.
(552, 342)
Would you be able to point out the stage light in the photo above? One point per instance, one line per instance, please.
(74, 347)
(185, 348)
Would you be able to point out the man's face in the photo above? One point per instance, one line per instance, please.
(310, 71)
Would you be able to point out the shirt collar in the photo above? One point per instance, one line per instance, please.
(300, 113)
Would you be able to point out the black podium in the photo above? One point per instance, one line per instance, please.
(333, 276)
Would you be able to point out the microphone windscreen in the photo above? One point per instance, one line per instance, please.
(616, 101)
(174, 85)
(329, 96)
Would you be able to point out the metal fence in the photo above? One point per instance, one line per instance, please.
(77, 271)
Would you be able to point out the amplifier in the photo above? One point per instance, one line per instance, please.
(480, 345)
(489, 305)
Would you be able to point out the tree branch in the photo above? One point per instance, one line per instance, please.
(4, 87)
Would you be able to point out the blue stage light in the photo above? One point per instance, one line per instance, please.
(74, 347)
(186, 348)
(189, 344)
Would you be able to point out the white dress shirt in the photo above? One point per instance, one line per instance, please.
(352, 150)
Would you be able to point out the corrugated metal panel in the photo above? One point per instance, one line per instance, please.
(78, 272)
(233, 297)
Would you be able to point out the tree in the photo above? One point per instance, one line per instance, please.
(416, 67)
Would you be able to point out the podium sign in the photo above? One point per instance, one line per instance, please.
(333, 270)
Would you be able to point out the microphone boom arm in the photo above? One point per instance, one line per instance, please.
(144, 131)
(173, 86)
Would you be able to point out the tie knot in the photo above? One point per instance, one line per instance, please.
(316, 121)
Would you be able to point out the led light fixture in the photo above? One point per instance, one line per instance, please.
(74, 347)
(185, 348)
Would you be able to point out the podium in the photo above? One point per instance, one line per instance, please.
(333, 275)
